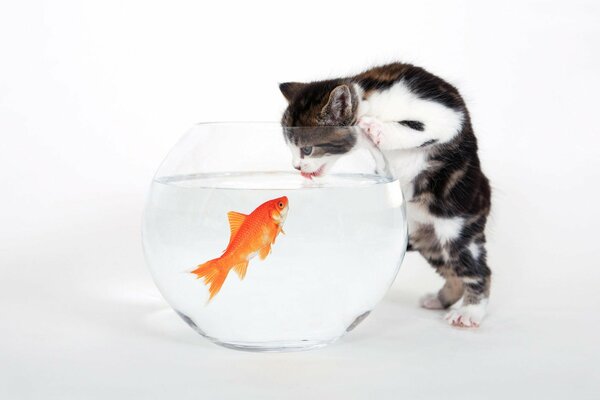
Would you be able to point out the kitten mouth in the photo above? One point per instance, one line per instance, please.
(310, 175)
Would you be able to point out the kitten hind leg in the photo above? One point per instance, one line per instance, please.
(474, 300)
(449, 294)
(474, 304)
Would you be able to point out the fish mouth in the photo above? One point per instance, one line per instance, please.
(318, 172)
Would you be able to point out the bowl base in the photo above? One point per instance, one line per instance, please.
(262, 347)
(274, 347)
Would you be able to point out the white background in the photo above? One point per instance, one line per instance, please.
(93, 95)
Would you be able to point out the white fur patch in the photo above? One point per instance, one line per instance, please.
(470, 280)
(447, 229)
(474, 249)
(469, 316)
(398, 103)
(407, 164)
(416, 215)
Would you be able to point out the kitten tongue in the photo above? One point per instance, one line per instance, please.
(310, 175)
(307, 175)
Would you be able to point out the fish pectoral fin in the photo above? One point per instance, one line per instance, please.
(236, 220)
(264, 252)
(241, 269)
(279, 230)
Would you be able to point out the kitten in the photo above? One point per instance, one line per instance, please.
(422, 125)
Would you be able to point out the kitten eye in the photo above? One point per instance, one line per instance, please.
(306, 150)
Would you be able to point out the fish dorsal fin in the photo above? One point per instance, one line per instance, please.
(236, 220)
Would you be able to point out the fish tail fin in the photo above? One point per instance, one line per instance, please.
(214, 274)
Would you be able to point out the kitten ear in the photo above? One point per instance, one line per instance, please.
(339, 106)
(289, 89)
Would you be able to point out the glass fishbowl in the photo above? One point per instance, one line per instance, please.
(269, 238)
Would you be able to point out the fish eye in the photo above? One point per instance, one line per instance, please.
(280, 204)
(306, 150)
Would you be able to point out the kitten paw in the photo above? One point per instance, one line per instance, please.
(431, 302)
(372, 127)
(466, 316)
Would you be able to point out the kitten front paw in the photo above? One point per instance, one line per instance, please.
(469, 316)
(431, 302)
(372, 127)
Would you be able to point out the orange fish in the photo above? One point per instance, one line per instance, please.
(250, 235)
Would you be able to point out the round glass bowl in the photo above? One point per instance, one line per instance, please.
(271, 239)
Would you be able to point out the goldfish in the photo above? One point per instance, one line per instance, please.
(251, 235)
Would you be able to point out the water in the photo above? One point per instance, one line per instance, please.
(345, 239)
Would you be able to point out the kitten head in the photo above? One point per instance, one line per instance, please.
(317, 122)
(324, 103)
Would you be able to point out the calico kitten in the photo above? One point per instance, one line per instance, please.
(422, 125)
